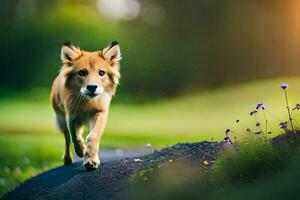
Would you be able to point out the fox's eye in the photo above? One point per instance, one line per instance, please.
(101, 73)
(82, 73)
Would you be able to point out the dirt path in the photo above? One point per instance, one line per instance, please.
(111, 180)
(107, 155)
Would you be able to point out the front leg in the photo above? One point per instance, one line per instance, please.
(98, 122)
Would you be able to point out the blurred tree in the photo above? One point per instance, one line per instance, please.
(172, 47)
(31, 43)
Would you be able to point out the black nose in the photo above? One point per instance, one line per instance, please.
(91, 88)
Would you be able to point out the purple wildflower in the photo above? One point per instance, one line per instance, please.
(283, 125)
(253, 112)
(297, 106)
(279, 138)
(257, 124)
(258, 132)
(227, 138)
(260, 105)
(284, 86)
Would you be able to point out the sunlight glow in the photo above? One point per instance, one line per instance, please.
(119, 9)
(152, 14)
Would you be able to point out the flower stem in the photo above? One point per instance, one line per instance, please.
(257, 122)
(290, 118)
(289, 112)
(266, 122)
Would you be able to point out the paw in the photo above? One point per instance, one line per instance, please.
(91, 163)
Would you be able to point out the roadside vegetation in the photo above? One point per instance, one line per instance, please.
(252, 165)
(258, 169)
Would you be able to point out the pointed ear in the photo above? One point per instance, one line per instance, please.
(112, 53)
(69, 52)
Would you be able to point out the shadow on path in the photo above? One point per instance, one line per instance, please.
(110, 181)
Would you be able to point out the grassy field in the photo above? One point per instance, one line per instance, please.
(198, 116)
(30, 142)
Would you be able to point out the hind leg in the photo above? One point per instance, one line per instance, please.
(63, 127)
(75, 127)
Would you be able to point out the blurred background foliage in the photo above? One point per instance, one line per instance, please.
(169, 47)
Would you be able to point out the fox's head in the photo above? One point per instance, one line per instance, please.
(91, 73)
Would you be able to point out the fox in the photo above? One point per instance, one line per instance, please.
(81, 95)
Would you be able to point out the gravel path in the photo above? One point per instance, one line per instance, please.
(111, 180)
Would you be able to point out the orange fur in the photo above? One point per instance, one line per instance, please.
(76, 104)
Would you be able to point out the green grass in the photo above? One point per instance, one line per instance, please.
(258, 170)
(23, 156)
(27, 125)
(254, 159)
(198, 116)
(282, 185)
